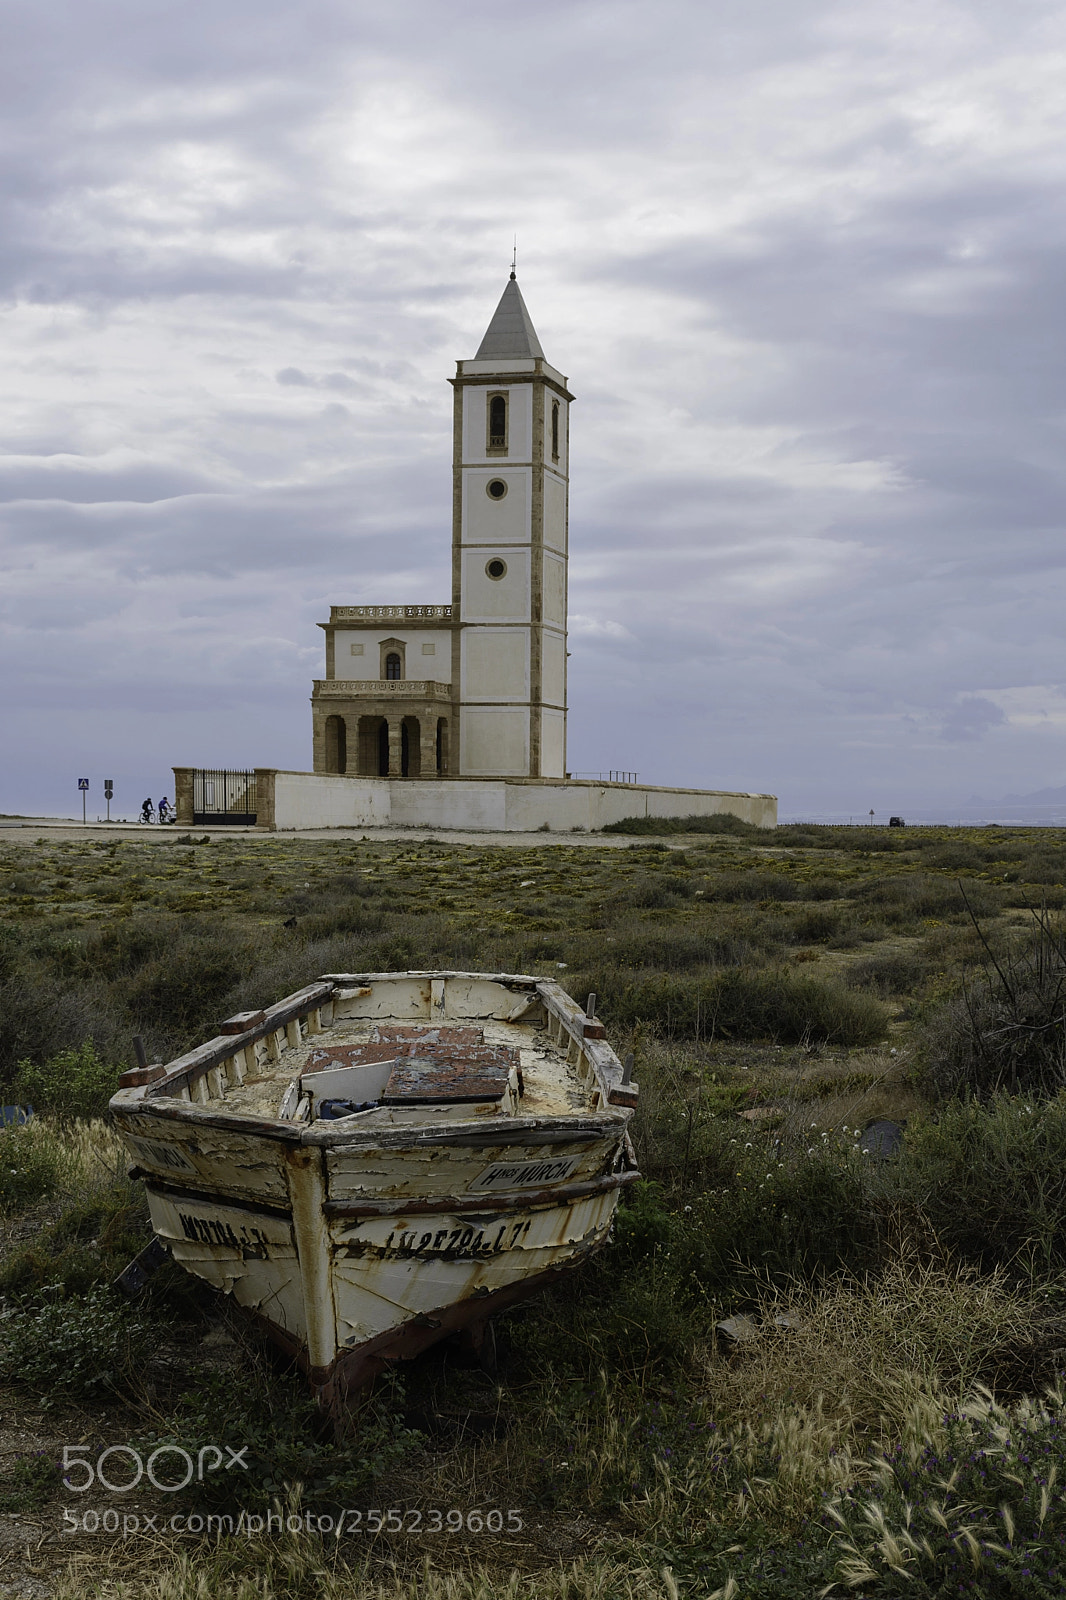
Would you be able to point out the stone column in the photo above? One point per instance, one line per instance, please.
(395, 727)
(427, 741)
(183, 795)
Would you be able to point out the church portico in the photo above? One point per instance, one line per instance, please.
(381, 728)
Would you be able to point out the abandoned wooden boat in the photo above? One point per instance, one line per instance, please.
(380, 1160)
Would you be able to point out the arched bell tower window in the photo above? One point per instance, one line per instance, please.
(555, 430)
(497, 420)
(393, 667)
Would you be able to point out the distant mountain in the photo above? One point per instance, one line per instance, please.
(1039, 797)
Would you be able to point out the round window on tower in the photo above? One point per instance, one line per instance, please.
(496, 568)
(495, 488)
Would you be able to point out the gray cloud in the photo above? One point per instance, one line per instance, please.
(809, 299)
(972, 718)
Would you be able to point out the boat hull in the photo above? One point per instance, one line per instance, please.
(358, 1246)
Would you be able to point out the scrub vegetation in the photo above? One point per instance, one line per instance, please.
(804, 1365)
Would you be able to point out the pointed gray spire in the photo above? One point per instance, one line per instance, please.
(511, 334)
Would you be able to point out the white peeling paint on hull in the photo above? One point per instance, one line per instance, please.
(363, 1239)
(385, 1273)
(248, 1255)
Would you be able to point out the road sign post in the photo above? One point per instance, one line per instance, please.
(83, 785)
(109, 790)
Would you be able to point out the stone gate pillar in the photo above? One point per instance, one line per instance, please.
(183, 795)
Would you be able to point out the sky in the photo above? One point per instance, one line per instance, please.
(803, 264)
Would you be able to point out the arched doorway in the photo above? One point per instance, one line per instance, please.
(373, 747)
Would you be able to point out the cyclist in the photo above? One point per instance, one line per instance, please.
(164, 810)
(147, 810)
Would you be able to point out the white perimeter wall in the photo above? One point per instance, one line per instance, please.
(329, 800)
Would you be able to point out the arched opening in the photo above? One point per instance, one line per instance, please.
(336, 745)
(442, 745)
(373, 747)
(555, 430)
(393, 667)
(498, 422)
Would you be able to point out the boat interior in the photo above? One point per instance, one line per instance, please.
(405, 1049)
(381, 1073)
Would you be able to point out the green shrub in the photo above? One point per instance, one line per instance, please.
(32, 1481)
(958, 855)
(667, 949)
(818, 925)
(73, 1084)
(1043, 866)
(738, 1003)
(29, 1168)
(353, 916)
(978, 1511)
(991, 1178)
(81, 1347)
(721, 822)
(899, 972)
(39, 1018)
(283, 1432)
(87, 1246)
(803, 1214)
(679, 1265)
(662, 889)
(1006, 1028)
(123, 948)
(184, 990)
(911, 898)
(756, 885)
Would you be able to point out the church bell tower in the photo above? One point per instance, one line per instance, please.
(509, 553)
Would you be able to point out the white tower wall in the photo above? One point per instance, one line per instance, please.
(511, 443)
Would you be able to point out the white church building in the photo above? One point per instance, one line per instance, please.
(476, 688)
(454, 715)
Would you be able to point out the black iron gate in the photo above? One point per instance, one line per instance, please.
(222, 797)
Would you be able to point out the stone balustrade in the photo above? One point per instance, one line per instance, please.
(376, 688)
(390, 613)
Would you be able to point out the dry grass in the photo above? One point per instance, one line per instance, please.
(298, 1567)
(871, 1356)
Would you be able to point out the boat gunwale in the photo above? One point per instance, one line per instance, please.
(186, 1069)
(590, 1128)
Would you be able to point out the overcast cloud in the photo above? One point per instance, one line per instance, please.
(804, 266)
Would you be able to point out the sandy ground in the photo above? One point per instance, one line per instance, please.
(59, 828)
